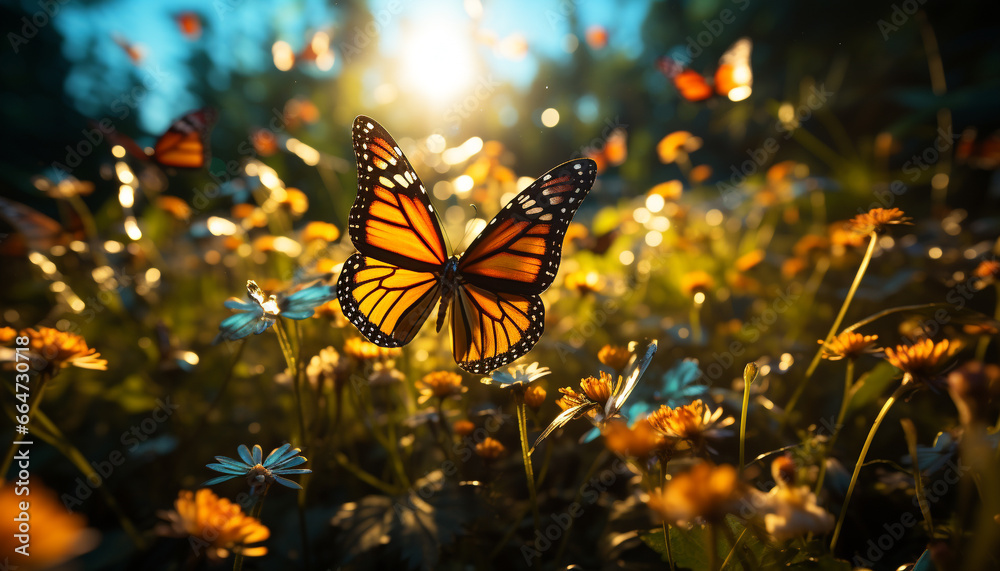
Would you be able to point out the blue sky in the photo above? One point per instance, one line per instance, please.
(239, 35)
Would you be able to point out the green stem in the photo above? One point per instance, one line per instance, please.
(743, 423)
(736, 545)
(344, 462)
(833, 330)
(255, 513)
(861, 460)
(222, 390)
(710, 542)
(848, 383)
(522, 428)
(666, 534)
(89, 228)
(50, 433)
(292, 361)
(694, 317)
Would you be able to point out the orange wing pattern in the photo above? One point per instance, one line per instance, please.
(386, 303)
(185, 144)
(490, 329)
(392, 218)
(520, 249)
(389, 288)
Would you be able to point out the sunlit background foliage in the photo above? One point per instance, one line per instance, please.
(717, 227)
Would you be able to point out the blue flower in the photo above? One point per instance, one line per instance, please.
(258, 472)
(519, 374)
(260, 313)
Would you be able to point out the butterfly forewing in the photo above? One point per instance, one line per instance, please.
(520, 249)
(392, 218)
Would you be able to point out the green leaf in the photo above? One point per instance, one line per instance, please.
(873, 385)
(688, 545)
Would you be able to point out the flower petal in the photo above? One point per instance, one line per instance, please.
(245, 454)
(288, 463)
(227, 469)
(275, 454)
(258, 454)
(214, 481)
(287, 483)
(232, 463)
(291, 471)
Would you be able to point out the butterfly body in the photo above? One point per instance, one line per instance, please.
(403, 267)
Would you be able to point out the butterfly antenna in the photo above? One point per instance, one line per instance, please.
(469, 227)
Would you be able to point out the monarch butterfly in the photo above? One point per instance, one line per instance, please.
(185, 144)
(389, 287)
(733, 78)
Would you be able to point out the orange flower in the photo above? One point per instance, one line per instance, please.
(441, 385)
(598, 389)
(214, 523)
(842, 235)
(7, 334)
(749, 260)
(876, 219)
(174, 206)
(689, 422)
(700, 174)
(56, 534)
(987, 269)
(489, 449)
(584, 282)
(670, 190)
(920, 362)
(463, 427)
(639, 441)
(323, 231)
(296, 201)
(614, 356)
(810, 242)
(706, 492)
(534, 396)
(849, 345)
(361, 350)
(792, 266)
(670, 147)
(696, 281)
(60, 349)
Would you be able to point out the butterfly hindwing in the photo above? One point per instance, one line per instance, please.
(490, 329)
(392, 218)
(520, 249)
(185, 144)
(388, 304)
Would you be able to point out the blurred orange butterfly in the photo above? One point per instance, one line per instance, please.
(613, 153)
(402, 268)
(733, 78)
(185, 144)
